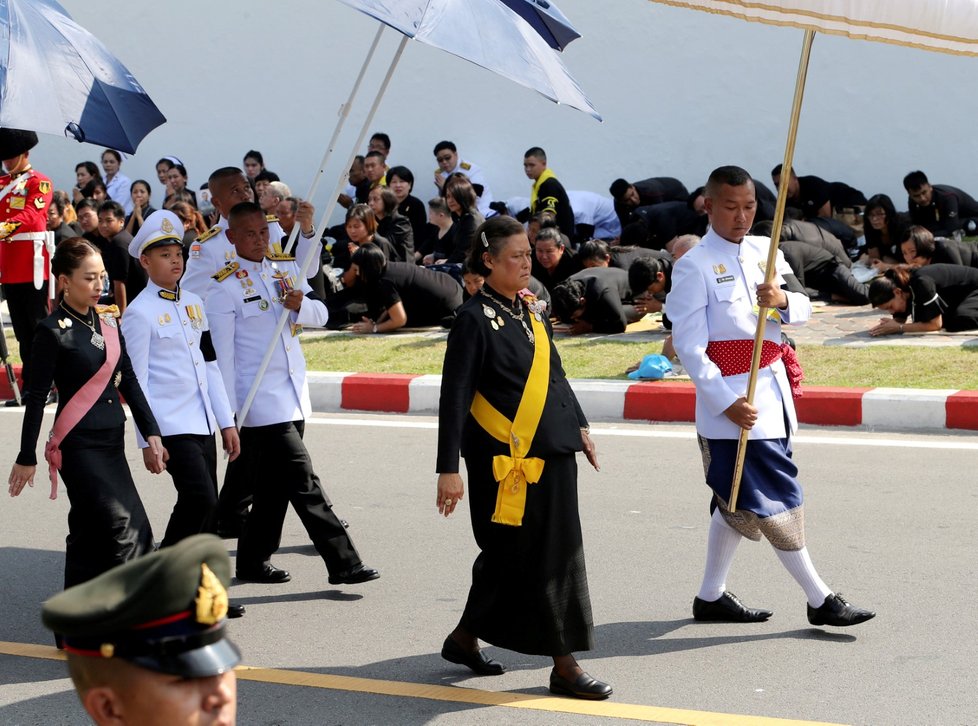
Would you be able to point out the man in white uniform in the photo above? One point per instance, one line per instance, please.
(594, 216)
(246, 299)
(208, 254)
(718, 290)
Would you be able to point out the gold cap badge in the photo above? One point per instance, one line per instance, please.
(212, 598)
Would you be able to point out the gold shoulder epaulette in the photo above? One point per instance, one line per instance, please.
(465, 165)
(226, 271)
(279, 257)
(112, 310)
(271, 218)
(212, 232)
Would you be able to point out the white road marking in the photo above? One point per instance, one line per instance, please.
(854, 439)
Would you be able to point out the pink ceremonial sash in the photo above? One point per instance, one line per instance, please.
(81, 403)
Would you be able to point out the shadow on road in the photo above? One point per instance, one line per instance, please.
(29, 578)
(648, 637)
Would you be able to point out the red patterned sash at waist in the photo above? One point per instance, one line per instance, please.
(733, 357)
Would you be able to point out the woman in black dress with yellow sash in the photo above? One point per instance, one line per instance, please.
(107, 524)
(507, 405)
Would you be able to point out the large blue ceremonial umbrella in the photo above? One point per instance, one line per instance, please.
(487, 33)
(545, 18)
(57, 78)
(484, 32)
(944, 26)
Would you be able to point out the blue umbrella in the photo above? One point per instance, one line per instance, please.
(487, 33)
(545, 18)
(57, 78)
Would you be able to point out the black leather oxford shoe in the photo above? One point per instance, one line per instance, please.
(837, 611)
(266, 573)
(354, 576)
(727, 609)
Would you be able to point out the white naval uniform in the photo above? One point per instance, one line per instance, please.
(243, 317)
(596, 211)
(208, 254)
(185, 392)
(476, 176)
(212, 251)
(712, 298)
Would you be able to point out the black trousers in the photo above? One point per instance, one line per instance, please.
(193, 467)
(107, 524)
(284, 475)
(236, 494)
(27, 308)
(964, 316)
(838, 280)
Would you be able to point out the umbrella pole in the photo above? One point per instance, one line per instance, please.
(344, 113)
(772, 255)
(324, 221)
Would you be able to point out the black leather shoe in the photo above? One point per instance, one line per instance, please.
(478, 662)
(235, 611)
(266, 573)
(354, 576)
(837, 611)
(584, 686)
(727, 609)
(12, 403)
(52, 397)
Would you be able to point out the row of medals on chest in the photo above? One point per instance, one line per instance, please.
(284, 284)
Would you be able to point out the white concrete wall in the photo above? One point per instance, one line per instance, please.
(681, 93)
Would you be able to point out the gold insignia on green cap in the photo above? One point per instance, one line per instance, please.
(212, 598)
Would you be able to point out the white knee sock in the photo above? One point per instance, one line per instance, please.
(799, 564)
(720, 549)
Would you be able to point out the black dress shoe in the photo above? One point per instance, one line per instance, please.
(727, 609)
(584, 686)
(354, 575)
(478, 662)
(12, 403)
(235, 611)
(266, 573)
(837, 611)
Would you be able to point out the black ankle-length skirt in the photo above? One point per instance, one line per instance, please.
(107, 524)
(529, 584)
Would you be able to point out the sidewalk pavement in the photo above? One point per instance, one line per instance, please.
(886, 409)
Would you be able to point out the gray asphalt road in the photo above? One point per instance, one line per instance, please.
(891, 523)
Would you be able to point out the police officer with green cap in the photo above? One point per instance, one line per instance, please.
(146, 640)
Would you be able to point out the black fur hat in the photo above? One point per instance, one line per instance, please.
(14, 142)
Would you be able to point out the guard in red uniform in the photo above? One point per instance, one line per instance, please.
(25, 196)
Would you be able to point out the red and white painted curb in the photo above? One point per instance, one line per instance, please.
(892, 409)
(889, 409)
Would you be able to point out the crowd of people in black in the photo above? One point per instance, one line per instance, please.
(584, 244)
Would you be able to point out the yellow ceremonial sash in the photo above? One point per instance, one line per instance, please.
(547, 174)
(515, 472)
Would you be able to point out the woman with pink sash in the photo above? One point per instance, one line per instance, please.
(80, 349)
